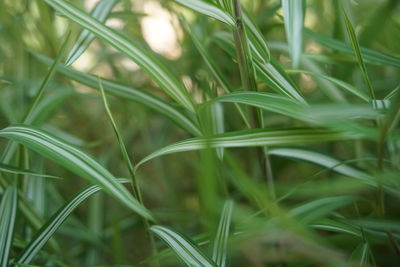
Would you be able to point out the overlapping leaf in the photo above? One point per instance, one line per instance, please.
(74, 160)
(164, 78)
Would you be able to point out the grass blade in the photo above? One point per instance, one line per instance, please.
(56, 220)
(339, 83)
(17, 170)
(221, 239)
(161, 75)
(100, 12)
(186, 250)
(357, 52)
(8, 207)
(253, 138)
(322, 160)
(369, 55)
(212, 66)
(270, 73)
(208, 9)
(293, 14)
(131, 94)
(74, 160)
(308, 212)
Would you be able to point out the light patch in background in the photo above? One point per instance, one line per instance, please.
(159, 32)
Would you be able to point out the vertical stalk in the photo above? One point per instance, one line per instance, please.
(247, 76)
(127, 160)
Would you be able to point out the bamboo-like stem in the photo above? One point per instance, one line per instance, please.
(248, 79)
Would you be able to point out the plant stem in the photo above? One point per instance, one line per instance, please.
(247, 75)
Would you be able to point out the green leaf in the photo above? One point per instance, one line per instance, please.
(336, 226)
(322, 160)
(253, 138)
(293, 14)
(270, 73)
(369, 55)
(309, 212)
(332, 115)
(100, 12)
(131, 94)
(357, 52)
(221, 239)
(57, 219)
(186, 250)
(213, 68)
(17, 170)
(362, 255)
(208, 10)
(257, 43)
(74, 160)
(161, 75)
(8, 207)
(340, 83)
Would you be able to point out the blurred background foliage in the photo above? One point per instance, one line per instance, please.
(101, 231)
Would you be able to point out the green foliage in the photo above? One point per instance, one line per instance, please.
(269, 129)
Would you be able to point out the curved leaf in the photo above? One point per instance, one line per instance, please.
(100, 12)
(208, 10)
(51, 226)
(324, 161)
(74, 160)
(183, 247)
(252, 138)
(164, 78)
(17, 170)
(129, 93)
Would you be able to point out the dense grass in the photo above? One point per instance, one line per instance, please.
(285, 115)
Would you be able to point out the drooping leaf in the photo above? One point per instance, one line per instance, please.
(370, 56)
(75, 160)
(100, 12)
(17, 170)
(323, 160)
(164, 78)
(308, 212)
(253, 138)
(208, 10)
(56, 220)
(342, 84)
(129, 93)
(186, 249)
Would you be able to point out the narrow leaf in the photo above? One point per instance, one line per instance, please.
(100, 12)
(253, 138)
(74, 160)
(56, 220)
(323, 160)
(221, 239)
(357, 52)
(186, 250)
(17, 170)
(129, 93)
(164, 78)
(293, 14)
(208, 10)
(316, 209)
(8, 207)
(369, 55)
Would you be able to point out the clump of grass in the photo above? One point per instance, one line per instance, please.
(272, 140)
